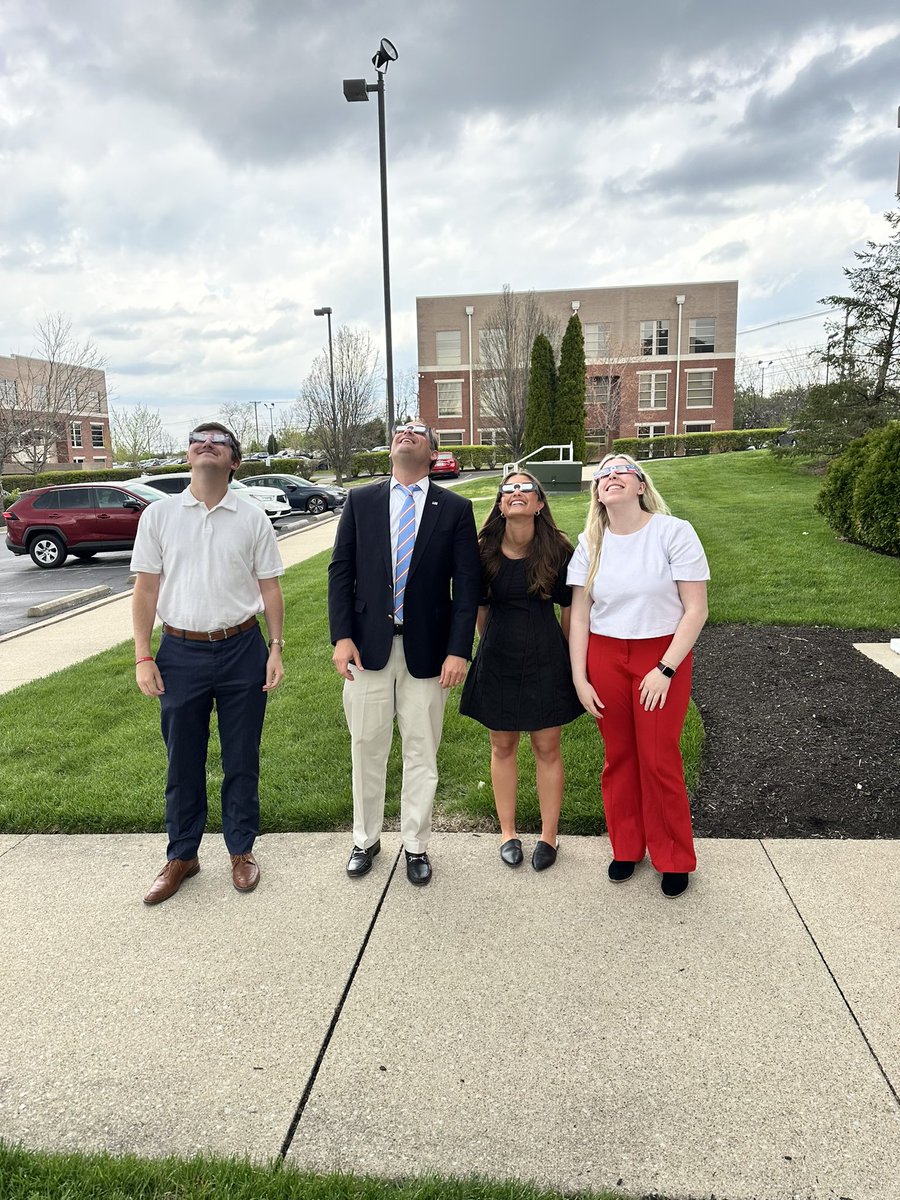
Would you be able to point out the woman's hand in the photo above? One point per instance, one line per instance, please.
(654, 688)
(589, 698)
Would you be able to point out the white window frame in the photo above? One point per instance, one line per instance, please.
(596, 341)
(654, 377)
(656, 429)
(443, 434)
(457, 405)
(77, 436)
(654, 339)
(8, 392)
(95, 427)
(693, 336)
(711, 372)
(689, 426)
(491, 437)
(448, 353)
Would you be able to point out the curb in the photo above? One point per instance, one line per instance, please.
(71, 601)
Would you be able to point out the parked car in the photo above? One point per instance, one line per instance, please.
(83, 519)
(301, 493)
(446, 465)
(272, 501)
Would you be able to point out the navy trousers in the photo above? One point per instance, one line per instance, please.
(195, 674)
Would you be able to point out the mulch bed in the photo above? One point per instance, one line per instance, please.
(803, 734)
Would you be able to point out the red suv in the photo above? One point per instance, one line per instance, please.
(51, 523)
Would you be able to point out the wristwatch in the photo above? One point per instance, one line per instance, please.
(667, 671)
(276, 642)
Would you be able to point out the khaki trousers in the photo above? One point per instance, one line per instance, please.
(371, 702)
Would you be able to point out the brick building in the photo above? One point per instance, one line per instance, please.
(659, 359)
(54, 410)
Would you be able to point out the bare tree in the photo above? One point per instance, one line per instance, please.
(337, 420)
(505, 343)
(64, 380)
(607, 384)
(240, 419)
(406, 394)
(136, 433)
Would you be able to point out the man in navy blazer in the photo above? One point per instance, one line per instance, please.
(403, 589)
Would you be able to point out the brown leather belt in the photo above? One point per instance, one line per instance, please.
(216, 635)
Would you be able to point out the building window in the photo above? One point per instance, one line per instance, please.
(447, 347)
(492, 437)
(92, 401)
(97, 437)
(596, 341)
(71, 397)
(449, 398)
(653, 389)
(39, 393)
(699, 389)
(76, 436)
(654, 337)
(650, 431)
(702, 333)
(450, 437)
(698, 426)
(8, 392)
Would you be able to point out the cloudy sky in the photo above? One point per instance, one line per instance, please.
(186, 182)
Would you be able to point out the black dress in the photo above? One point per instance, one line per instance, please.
(520, 679)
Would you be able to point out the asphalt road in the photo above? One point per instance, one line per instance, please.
(23, 585)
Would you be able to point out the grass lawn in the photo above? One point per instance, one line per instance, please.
(27, 1175)
(81, 751)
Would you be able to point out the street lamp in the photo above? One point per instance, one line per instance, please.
(326, 312)
(356, 90)
(762, 375)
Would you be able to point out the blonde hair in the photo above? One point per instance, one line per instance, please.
(598, 520)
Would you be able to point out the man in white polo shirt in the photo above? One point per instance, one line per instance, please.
(208, 564)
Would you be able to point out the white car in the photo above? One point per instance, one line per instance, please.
(273, 502)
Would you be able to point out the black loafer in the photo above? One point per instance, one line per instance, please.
(544, 855)
(418, 869)
(511, 852)
(619, 870)
(674, 883)
(360, 862)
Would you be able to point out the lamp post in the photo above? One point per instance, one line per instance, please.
(356, 90)
(762, 375)
(326, 312)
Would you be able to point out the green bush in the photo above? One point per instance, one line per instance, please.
(471, 458)
(876, 491)
(717, 442)
(835, 501)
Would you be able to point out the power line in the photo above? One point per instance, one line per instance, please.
(788, 321)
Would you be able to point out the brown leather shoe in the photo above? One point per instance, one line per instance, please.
(170, 879)
(244, 872)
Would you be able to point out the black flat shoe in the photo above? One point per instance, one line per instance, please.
(544, 855)
(674, 883)
(511, 852)
(619, 870)
(360, 862)
(418, 869)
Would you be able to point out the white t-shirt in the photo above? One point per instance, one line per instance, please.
(209, 558)
(634, 592)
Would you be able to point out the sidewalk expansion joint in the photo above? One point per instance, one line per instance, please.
(9, 849)
(336, 1016)
(840, 990)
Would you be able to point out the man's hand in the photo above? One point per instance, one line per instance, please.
(149, 679)
(345, 652)
(453, 671)
(274, 670)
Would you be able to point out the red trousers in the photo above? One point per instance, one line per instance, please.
(644, 797)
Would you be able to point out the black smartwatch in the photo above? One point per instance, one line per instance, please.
(669, 672)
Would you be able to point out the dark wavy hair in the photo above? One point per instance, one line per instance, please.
(550, 549)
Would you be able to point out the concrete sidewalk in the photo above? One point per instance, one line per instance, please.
(740, 1041)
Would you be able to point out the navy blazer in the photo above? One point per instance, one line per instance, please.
(442, 589)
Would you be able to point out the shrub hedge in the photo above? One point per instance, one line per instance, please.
(471, 458)
(24, 483)
(860, 498)
(717, 442)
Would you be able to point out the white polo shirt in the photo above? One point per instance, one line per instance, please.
(209, 559)
(635, 591)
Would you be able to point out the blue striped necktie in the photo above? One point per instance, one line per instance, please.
(406, 537)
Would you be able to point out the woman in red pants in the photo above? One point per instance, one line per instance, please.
(639, 601)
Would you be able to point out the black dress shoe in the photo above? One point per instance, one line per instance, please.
(511, 852)
(674, 883)
(544, 855)
(619, 870)
(418, 869)
(360, 861)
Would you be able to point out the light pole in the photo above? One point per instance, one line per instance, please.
(256, 404)
(326, 312)
(762, 375)
(355, 90)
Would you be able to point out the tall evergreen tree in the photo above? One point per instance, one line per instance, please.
(570, 392)
(540, 403)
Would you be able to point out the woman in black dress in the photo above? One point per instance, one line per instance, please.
(520, 679)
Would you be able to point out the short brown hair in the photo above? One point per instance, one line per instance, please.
(206, 426)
